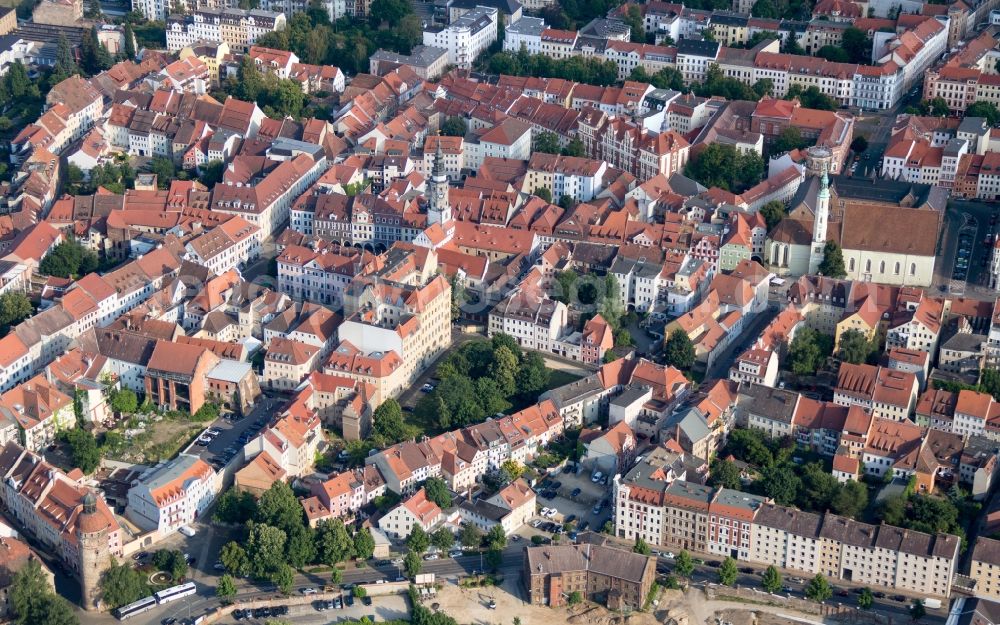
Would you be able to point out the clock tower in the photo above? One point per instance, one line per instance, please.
(439, 210)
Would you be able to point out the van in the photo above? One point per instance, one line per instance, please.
(187, 531)
(932, 604)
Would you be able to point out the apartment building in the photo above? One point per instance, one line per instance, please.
(466, 37)
(69, 519)
(984, 568)
(40, 411)
(172, 494)
(237, 28)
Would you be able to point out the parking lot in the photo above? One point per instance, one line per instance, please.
(383, 608)
(233, 434)
(574, 496)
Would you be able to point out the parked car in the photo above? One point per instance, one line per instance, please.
(308, 591)
(596, 477)
(427, 388)
(576, 492)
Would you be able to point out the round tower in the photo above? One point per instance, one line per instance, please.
(95, 556)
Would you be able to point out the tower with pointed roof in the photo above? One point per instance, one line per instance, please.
(439, 210)
(820, 158)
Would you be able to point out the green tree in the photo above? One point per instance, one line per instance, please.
(417, 541)
(504, 369)
(547, 142)
(360, 592)
(728, 572)
(336, 576)
(333, 542)
(65, 65)
(235, 506)
(819, 589)
(832, 264)
(834, 54)
(855, 347)
(684, 564)
(511, 469)
(892, 510)
(859, 145)
(781, 484)
(765, 8)
(129, 42)
(267, 544)
(773, 212)
(68, 259)
(532, 375)
(442, 538)
(987, 110)
(543, 193)
(14, 308)
(865, 598)
(789, 139)
(633, 17)
(32, 600)
(121, 585)
(283, 576)
(470, 536)
(164, 169)
(771, 580)
(573, 148)
(575, 597)
(279, 507)
(235, 559)
(724, 473)
(454, 126)
(496, 539)
(805, 354)
(917, 610)
(364, 544)
(225, 589)
(936, 107)
(412, 564)
(721, 165)
(387, 422)
(437, 491)
(857, 45)
(124, 401)
(678, 351)
(300, 547)
(391, 11)
(989, 382)
(641, 547)
(83, 449)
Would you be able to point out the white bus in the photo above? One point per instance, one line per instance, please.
(136, 607)
(175, 592)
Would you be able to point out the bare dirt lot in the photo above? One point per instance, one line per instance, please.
(674, 607)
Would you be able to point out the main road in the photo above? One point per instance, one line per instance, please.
(205, 599)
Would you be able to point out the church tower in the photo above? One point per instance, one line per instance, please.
(95, 556)
(819, 161)
(439, 211)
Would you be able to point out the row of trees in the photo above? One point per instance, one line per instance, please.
(576, 68)
(480, 379)
(721, 165)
